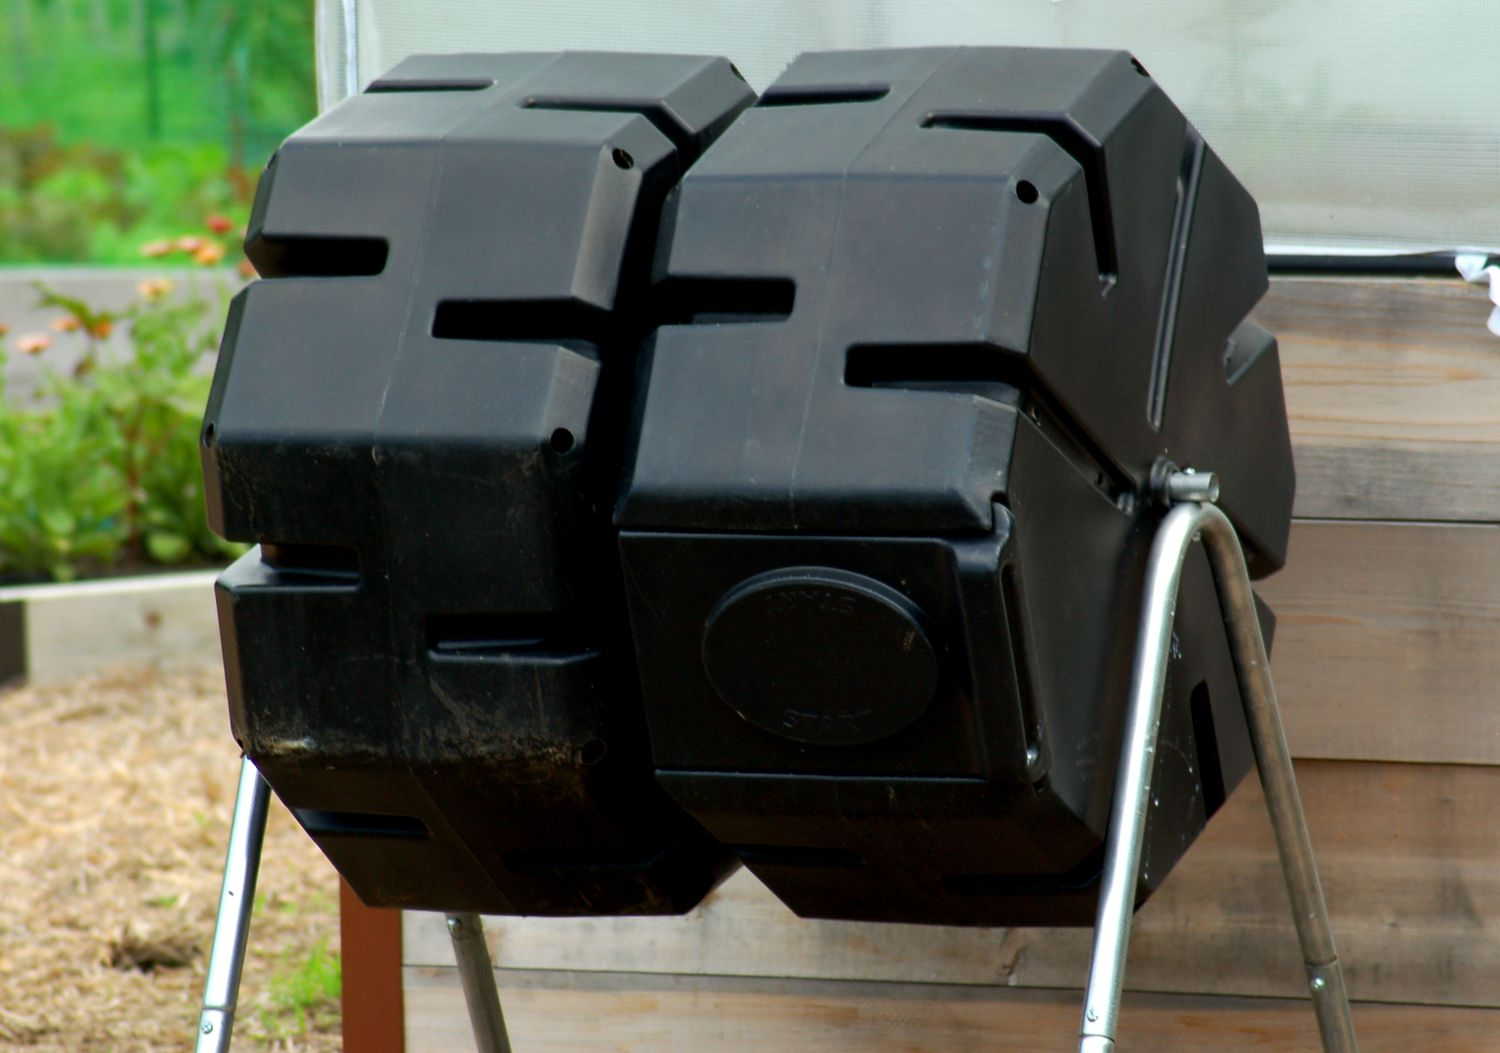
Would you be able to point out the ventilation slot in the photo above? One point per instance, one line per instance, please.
(531, 633)
(1210, 769)
(1020, 655)
(386, 87)
(567, 323)
(720, 301)
(978, 368)
(829, 96)
(1089, 157)
(658, 115)
(1166, 326)
(332, 565)
(320, 823)
(317, 257)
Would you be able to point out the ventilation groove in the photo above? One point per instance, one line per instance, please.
(827, 96)
(1089, 155)
(318, 257)
(662, 120)
(716, 301)
(567, 323)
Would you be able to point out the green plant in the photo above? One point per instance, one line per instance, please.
(182, 71)
(60, 502)
(300, 987)
(69, 203)
(107, 471)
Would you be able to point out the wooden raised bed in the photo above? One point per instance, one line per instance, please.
(1387, 656)
(59, 631)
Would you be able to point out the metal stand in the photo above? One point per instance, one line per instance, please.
(1194, 517)
(478, 979)
(221, 988)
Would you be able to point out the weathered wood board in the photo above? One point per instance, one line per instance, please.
(595, 1013)
(1393, 391)
(1388, 641)
(1409, 855)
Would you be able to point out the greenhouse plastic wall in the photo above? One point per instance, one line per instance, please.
(1359, 125)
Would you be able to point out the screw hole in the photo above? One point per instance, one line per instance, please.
(562, 440)
(1138, 67)
(592, 753)
(1027, 192)
(208, 435)
(623, 159)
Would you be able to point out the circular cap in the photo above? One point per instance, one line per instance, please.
(821, 656)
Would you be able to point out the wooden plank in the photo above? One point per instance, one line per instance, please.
(77, 628)
(740, 929)
(1409, 855)
(1393, 392)
(1388, 641)
(591, 1013)
(370, 950)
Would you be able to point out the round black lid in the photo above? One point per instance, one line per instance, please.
(820, 655)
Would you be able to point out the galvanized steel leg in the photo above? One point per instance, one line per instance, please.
(1194, 519)
(478, 978)
(221, 987)
(1278, 779)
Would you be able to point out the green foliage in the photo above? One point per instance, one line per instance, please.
(122, 120)
(60, 503)
(75, 204)
(119, 73)
(109, 471)
(300, 988)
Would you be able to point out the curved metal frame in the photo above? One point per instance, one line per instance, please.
(1184, 525)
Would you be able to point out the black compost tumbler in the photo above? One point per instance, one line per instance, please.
(648, 477)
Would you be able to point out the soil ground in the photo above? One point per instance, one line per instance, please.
(115, 798)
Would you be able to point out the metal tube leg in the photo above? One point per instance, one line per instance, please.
(1183, 525)
(221, 987)
(1127, 820)
(478, 978)
(1274, 761)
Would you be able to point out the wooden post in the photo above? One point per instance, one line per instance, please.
(370, 946)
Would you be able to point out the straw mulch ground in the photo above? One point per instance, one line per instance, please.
(115, 796)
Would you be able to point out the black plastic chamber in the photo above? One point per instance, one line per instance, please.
(645, 479)
(418, 416)
(884, 554)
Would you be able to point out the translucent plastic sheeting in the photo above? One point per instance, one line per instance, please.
(1358, 124)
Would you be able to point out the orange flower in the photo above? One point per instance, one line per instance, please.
(154, 249)
(33, 343)
(4, 329)
(154, 290)
(245, 268)
(189, 243)
(101, 328)
(219, 224)
(208, 254)
(66, 324)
